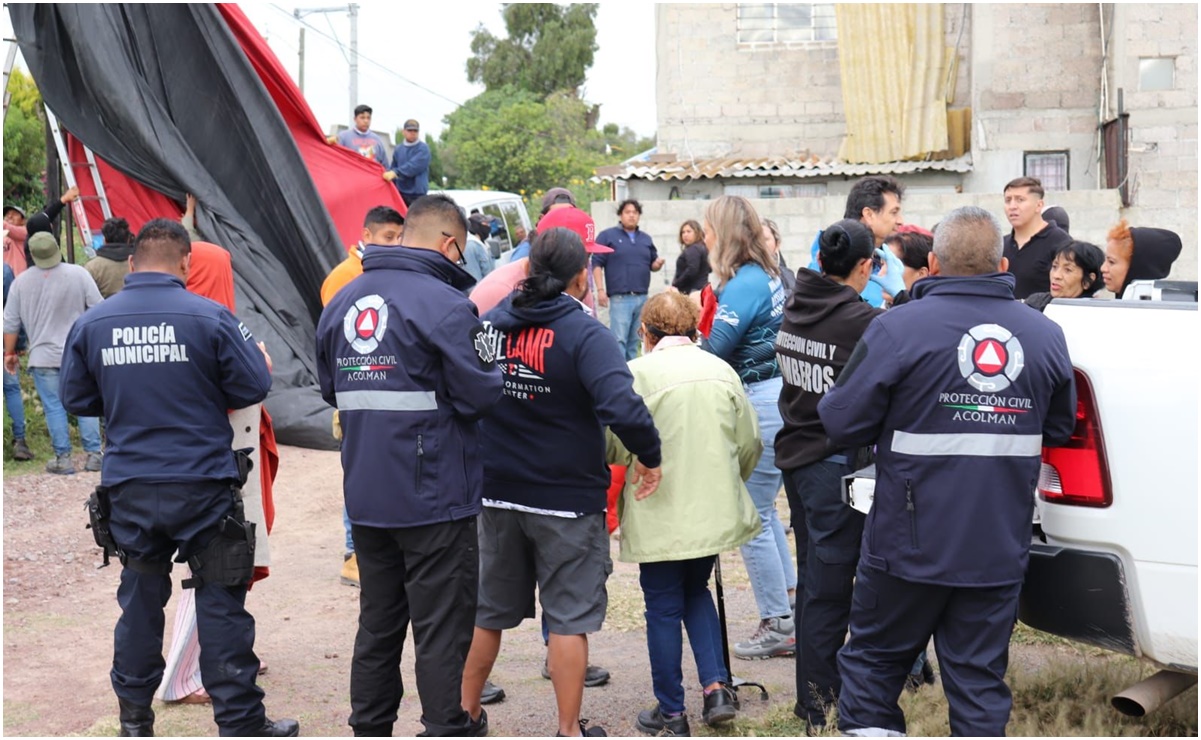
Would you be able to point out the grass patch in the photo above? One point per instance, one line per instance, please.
(17, 713)
(37, 435)
(1068, 698)
(1024, 634)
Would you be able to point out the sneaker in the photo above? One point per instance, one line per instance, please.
(61, 465)
(774, 638)
(94, 463)
(654, 722)
(587, 731)
(491, 693)
(594, 676)
(21, 450)
(720, 707)
(350, 570)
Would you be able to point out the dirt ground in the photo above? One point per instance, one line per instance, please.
(59, 613)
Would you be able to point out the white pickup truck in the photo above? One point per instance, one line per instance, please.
(1114, 561)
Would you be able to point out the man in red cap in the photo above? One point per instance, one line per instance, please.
(501, 281)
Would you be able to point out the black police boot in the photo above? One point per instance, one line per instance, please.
(280, 728)
(136, 720)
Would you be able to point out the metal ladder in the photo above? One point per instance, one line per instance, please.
(10, 58)
(81, 218)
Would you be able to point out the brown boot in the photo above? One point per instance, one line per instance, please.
(350, 571)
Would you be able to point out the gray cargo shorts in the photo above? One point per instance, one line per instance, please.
(567, 559)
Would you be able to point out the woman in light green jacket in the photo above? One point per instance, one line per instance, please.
(710, 439)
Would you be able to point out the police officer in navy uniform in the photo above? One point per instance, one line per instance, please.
(403, 356)
(164, 366)
(959, 390)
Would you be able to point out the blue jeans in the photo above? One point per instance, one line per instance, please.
(45, 379)
(346, 523)
(678, 591)
(768, 560)
(625, 316)
(14, 404)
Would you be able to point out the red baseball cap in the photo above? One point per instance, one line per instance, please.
(575, 220)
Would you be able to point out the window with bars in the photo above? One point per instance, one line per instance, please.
(1051, 169)
(784, 23)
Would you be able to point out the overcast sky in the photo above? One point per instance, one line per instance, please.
(412, 59)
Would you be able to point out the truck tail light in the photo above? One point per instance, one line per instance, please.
(1077, 474)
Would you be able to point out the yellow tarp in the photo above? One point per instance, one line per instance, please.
(894, 67)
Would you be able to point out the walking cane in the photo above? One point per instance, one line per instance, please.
(735, 682)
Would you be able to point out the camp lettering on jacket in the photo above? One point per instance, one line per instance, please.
(529, 347)
(809, 376)
(141, 345)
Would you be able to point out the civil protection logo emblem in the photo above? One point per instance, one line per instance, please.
(365, 323)
(990, 358)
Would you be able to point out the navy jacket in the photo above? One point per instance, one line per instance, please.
(412, 167)
(628, 266)
(400, 353)
(960, 390)
(164, 367)
(565, 381)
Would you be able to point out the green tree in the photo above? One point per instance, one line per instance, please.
(549, 48)
(511, 139)
(24, 144)
(623, 143)
(437, 170)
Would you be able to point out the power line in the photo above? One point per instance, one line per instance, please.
(366, 58)
(341, 48)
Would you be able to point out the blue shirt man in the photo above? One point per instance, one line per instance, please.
(410, 171)
(623, 277)
(875, 201)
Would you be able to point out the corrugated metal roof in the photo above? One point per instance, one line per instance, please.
(773, 167)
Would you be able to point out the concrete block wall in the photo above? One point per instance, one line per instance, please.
(1036, 85)
(720, 98)
(1163, 124)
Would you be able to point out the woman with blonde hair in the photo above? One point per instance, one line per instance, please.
(700, 509)
(750, 300)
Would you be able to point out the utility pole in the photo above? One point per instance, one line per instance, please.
(296, 13)
(353, 11)
(354, 57)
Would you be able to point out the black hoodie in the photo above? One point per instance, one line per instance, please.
(565, 380)
(1154, 252)
(823, 321)
(115, 252)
